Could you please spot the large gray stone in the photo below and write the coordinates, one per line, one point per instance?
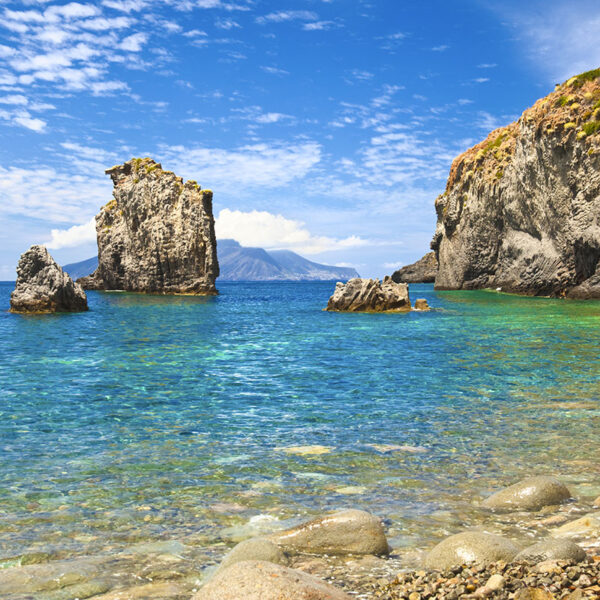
(369, 295)
(345, 532)
(43, 287)
(261, 580)
(551, 550)
(254, 549)
(532, 493)
(470, 546)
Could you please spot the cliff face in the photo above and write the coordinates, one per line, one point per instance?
(43, 287)
(422, 271)
(521, 210)
(157, 234)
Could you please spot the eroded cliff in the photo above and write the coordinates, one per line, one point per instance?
(521, 210)
(156, 235)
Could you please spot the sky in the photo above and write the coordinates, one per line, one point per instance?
(324, 126)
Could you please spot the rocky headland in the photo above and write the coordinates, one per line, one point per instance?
(422, 271)
(43, 287)
(156, 235)
(520, 209)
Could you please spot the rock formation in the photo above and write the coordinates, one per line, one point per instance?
(470, 546)
(369, 295)
(532, 493)
(43, 287)
(157, 234)
(345, 532)
(422, 271)
(261, 580)
(521, 209)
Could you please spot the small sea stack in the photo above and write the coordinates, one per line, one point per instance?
(156, 235)
(43, 287)
(370, 295)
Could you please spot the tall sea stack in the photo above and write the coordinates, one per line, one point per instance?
(521, 210)
(157, 235)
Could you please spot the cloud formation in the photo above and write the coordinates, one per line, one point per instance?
(272, 231)
(73, 236)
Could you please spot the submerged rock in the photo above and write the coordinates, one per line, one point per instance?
(520, 209)
(470, 546)
(260, 580)
(583, 527)
(422, 271)
(254, 549)
(345, 532)
(369, 295)
(551, 550)
(532, 493)
(43, 287)
(157, 235)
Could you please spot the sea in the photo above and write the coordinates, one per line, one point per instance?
(196, 422)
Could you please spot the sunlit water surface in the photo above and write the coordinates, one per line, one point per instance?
(178, 418)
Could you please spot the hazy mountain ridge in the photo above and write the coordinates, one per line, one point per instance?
(240, 263)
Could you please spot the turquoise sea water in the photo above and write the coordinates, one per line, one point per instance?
(152, 418)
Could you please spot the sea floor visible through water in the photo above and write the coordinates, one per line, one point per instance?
(175, 426)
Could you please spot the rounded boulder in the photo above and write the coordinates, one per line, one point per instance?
(345, 532)
(532, 493)
(551, 550)
(254, 549)
(261, 580)
(470, 546)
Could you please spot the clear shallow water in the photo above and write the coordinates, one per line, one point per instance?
(153, 418)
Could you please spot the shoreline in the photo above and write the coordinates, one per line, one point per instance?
(165, 567)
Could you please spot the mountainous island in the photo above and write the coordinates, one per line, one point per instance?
(239, 263)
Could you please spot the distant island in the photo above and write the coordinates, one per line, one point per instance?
(240, 263)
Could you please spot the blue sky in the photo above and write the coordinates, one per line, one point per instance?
(323, 126)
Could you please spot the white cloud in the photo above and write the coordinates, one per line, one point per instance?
(489, 122)
(134, 42)
(271, 117)
(257, 165)
(275, 71)
(560, 38)
(14, 99)
(42, 192)
(29, 122)
(319, 25)
(268, 230)
(287, 15)
(227, 24)
(73, 236)
(393, 265)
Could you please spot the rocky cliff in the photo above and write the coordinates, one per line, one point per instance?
(521, 210)
(422, 271)
(43, 287)
(156, 235)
